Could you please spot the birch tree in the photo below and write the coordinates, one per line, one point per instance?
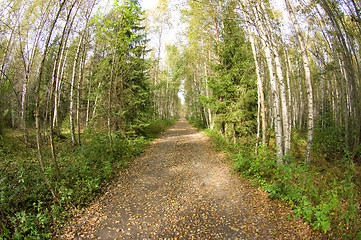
(308, 80)
(37, 103)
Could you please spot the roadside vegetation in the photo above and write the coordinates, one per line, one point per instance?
(77, 103)
(82, 89)
(278, 88)
(325, 193)
(28, 209)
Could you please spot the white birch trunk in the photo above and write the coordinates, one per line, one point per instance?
(72, 83)
(276, 105)
(308, 80)
(80, 78)
(37, 102)
(261, 105)
(274, 91)
(285, 108)
(281, 83)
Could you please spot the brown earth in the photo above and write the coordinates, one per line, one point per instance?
(181, 188)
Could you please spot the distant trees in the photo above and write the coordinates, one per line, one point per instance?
(165, 63)
(201, 51)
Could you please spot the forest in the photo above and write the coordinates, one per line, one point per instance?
(85, 87)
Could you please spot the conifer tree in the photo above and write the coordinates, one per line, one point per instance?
(234, 86)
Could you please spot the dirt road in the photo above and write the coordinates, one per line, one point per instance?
(180, 188)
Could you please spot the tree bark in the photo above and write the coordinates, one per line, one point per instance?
(274, 89)
(110, 99)
(56, 69)
(261, 100)
(308, 80)
(72, 84)
(37, 103)
(80, 80)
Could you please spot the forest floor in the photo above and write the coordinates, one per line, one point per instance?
(181, 188)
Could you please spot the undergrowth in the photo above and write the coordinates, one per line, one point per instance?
(28, 210)
(326, 195)
(158, 126)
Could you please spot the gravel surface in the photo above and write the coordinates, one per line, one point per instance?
(181, 188)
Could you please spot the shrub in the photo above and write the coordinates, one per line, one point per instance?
(157, 126)
(27, 209)
(328, 202)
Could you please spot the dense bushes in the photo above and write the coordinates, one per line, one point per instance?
(325, 195)
(158, 126)
(27, 209)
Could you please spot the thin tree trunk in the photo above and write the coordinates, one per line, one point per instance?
(59, 75)
(51, 134)
(88, 103)
(274, 91)
(80, 73)
(37, 102)
(308, 80)
(72, 84)
(23, 105)
(55, 75)
(95, 102)
(261, 101)
(288, 73)
(58, 92)
(110, 103)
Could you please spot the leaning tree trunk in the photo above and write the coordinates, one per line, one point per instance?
(274, 90)
(80, 79)
(72, 83)
(110, 99)
(58, 92)
(37, 102)
(308, 80)
(261, 101)
(27, 70)
(57, 66)
(274, 45)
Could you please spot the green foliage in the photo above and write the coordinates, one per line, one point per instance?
(5, 105)
(27, 210)
(234, 91)
(157, 126)
(326, 201)
(121, 68)
(32, 224)
(197, 123)
(319, 216)
(329, 138)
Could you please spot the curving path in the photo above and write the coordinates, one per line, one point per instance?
(180, 188)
